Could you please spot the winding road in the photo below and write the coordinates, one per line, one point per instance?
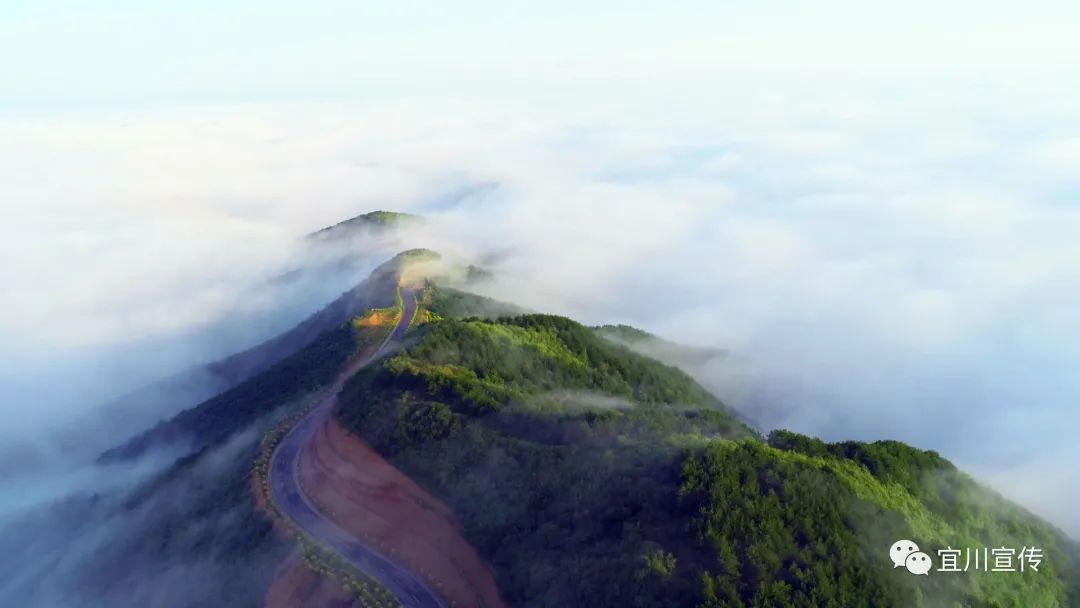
(291, 500)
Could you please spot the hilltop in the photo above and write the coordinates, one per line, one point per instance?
(372, 221)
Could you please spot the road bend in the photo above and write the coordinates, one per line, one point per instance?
(291, 500)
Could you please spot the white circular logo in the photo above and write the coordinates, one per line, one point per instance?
(919, 563)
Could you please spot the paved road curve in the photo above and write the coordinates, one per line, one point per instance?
(286, 493)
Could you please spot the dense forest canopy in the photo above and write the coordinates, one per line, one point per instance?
(586, 474)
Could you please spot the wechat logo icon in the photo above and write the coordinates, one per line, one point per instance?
(906, 554)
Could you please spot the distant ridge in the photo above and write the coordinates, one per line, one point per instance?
(654, 346)
(373, 220)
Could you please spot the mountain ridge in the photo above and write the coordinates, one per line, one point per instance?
(587, 473)
(377, 291)
(469, 390)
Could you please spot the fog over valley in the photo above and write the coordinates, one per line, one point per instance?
(876, 271)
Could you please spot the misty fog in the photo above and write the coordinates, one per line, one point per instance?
(101, 545)
(880, 265)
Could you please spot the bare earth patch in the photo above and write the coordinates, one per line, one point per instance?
(374, 501)
(296, 586)
(376, 318)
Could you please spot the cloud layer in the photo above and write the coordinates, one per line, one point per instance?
(885, 265)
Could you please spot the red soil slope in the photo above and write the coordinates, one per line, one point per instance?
(296, 586)
(367, 496)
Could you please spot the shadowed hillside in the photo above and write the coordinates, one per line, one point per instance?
(274, 373)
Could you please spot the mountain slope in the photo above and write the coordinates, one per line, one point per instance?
(194, 534)
(649, 345)
(582, 472)
(277, 370)
(799, 522)
(588, 475)
(332, 255)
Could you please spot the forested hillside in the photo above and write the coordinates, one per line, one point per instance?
(589, 475)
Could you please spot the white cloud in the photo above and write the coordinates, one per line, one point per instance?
(884, 267)
(1059, 157)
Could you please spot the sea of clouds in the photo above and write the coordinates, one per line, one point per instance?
(884, 264)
